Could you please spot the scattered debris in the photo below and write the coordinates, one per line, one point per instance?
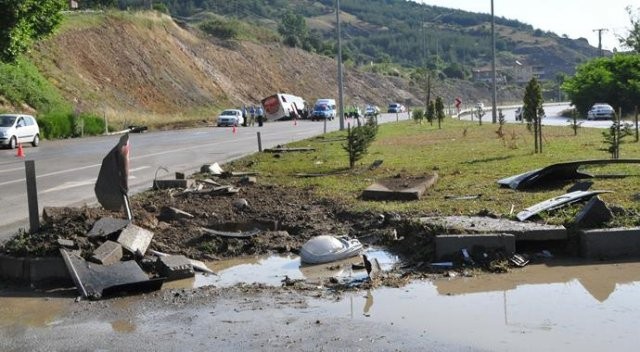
(557, 173)
(556, 202)
(196, 264)
(376, 164)
(107, 226)
(175, 267)
(519, 260)
(137, 129)
(594, 214)
(108, 253)
(96, 281)
(171, 213)
(213, 169)
(471, 197)
(396, 188)
(177, 183)
(281, 149)
(326, 248)
(241, 234)
(580, 186)
(240, 203)
(135, 239)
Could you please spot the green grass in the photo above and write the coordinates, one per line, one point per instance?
(468, 159)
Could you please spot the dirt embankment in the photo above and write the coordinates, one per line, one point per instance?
(146, 68)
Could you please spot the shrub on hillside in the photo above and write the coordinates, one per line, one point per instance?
(66, 124)
(220, 29)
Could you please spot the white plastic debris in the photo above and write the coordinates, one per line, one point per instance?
(326, 248)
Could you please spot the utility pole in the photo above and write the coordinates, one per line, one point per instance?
(600, 30)
(494, 95)
(340, 81)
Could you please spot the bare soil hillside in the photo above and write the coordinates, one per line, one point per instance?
(146, 68)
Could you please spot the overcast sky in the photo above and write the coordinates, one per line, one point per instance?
(575, 18)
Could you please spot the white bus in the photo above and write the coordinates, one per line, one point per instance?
(283, 106)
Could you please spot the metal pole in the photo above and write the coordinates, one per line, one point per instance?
(32, 196)
(493, 66)
(340, 88)
(259, 142)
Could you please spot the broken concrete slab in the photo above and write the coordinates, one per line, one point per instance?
(175, 267)
(64, 243)
(171, 213)
(399, 188)
(448, 245)
(197, 265)
(213, 169)
(613, 243)
(166, 184)
(108, 253)
(595, 213)
(523, 231)
(135, 239)
(95, 281)
(107, 226)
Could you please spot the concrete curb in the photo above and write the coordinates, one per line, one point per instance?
(33, 270)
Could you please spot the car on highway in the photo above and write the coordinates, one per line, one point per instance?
(396, 107)
(230, 117)
(18, 128)
(371, 110)
(600, 111)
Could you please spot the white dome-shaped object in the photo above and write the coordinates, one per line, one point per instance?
(326, 248)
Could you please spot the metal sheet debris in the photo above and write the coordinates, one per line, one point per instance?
(240, 234)
(557, 173)
(556, 202)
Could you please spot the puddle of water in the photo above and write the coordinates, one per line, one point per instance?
(271, 270)
(30, 311)
(586, 308)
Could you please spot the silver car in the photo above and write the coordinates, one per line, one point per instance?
(230, 117)
(600, 111)
(18, 128)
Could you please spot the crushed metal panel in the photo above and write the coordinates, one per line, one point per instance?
(557, 173)
(556, 202)
(95, 281)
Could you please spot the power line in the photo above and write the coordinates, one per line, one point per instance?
(600, 30)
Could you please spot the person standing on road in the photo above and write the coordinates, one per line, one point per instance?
(252, 115)
(244, 115)
(260, 115)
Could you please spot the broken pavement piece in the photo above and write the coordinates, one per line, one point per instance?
(108, 253)
(594, 214)
(63, 243)
(399, 188)
(107, 226)
(175, 267)
(165, 184)
(135, 239)
(197, 265)
(556, 202)
(95, 281)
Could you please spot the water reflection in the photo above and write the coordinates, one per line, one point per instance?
(541, 307)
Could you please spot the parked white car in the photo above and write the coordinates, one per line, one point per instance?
(600, 111)
(18, 128)
(230, 117)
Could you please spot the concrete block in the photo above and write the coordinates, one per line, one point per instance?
(387, 190)
(593, 214)
(610, 243)
(448, 245)
(165, 184)
(135, 239)
(108, 253)
(175, 267)
(524, 231)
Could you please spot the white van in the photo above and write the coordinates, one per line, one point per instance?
(324, 109)
(283, 107)
(18, 128)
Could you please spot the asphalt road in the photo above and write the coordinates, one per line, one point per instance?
(66, 170)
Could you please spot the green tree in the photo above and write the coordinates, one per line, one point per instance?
(430, 114)
(358, 140)
(533, 111)
(293, 29)
(615, 80)
(24, 21)
(439, 106)
(418, 115)
(632, 40)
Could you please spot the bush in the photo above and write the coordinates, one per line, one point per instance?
(220, 29)
(66, 124)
